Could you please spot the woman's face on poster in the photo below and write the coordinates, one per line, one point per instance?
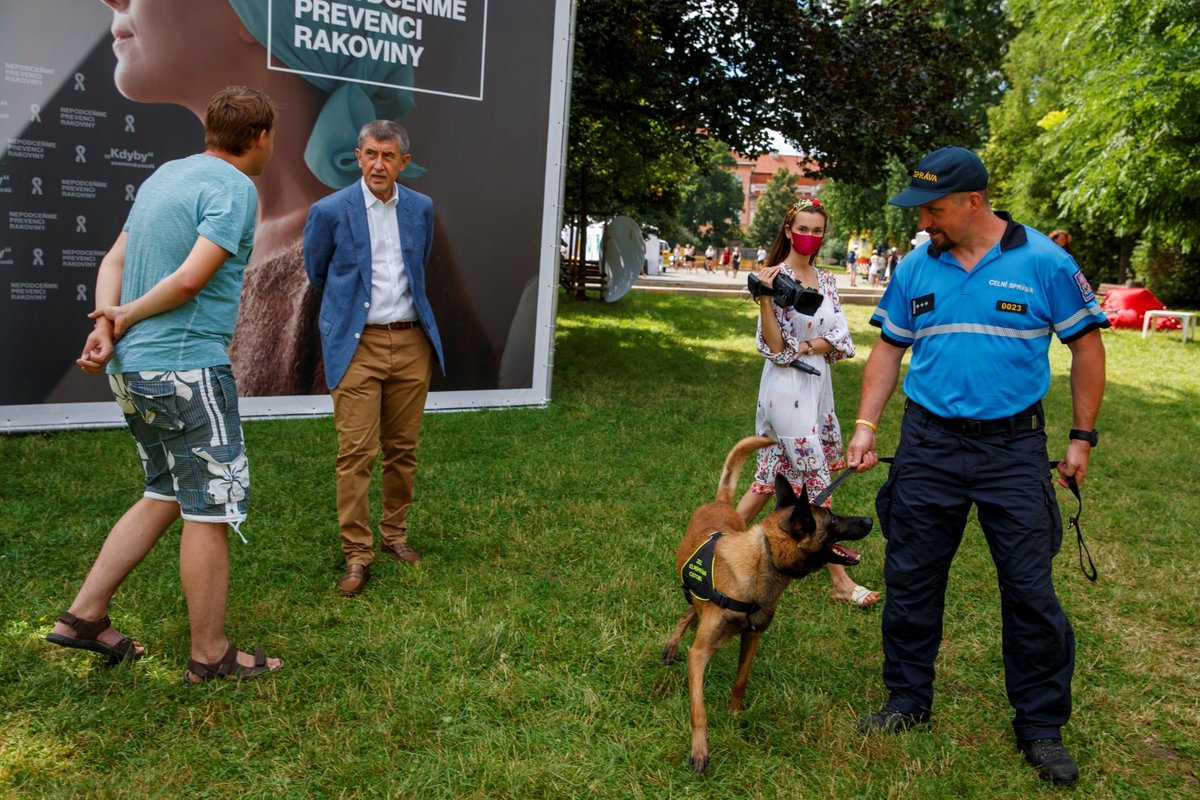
(165, 48)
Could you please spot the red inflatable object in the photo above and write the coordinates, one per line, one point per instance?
(1128, 305)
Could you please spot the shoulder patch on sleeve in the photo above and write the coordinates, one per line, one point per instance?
(1085, 288)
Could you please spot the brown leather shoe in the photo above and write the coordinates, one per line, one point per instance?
(403, 552)
(354, 579)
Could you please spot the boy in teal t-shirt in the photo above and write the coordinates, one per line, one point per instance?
(167, 298)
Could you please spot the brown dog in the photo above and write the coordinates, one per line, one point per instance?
(749, 571)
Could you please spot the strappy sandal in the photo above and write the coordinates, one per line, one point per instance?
(861, 597)
(85, 638)
(228, 667)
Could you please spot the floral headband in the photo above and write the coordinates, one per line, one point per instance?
(801, 205)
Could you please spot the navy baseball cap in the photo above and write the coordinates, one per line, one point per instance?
(945, 170)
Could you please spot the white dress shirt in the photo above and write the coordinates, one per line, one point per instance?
(391, 298)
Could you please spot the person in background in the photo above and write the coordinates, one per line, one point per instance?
(893, 258)
(796, 408)
(852, 267)
(978, 304)
(365, 251)
(725, 258)
(166, 303)
(1062, 239)
(181, 53)
(735, 261)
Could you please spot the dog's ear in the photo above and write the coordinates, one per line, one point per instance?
(801, 520)
(784, 496)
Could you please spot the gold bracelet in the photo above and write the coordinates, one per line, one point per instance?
(868, 423)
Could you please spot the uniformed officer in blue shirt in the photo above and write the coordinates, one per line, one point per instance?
(978, 304)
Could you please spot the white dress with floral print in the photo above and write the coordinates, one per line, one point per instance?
(796, 408)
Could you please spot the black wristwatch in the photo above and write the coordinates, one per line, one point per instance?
(1092, 437)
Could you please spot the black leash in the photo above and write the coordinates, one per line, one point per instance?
(820, 499)
(836, 482)
(1073, 485)
(1088, 571)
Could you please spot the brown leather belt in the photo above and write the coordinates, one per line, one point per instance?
(396, 326)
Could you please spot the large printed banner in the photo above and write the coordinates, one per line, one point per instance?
(93, 99)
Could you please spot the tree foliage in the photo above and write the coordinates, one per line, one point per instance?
(849, 82)
(1128, 133)
(771, 207)
(853, 210)
(903, 87)
(1099, 132)
(871, 80)
(711, 198)
(865, 210)
(983, 28)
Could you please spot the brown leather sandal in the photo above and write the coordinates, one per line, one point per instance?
(228, 667)
(86, 632)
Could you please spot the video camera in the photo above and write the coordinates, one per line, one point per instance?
(786, 292)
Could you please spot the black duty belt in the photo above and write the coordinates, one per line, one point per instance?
(1089, 571)
(1030, 419)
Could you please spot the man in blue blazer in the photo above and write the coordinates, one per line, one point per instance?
(365, 250)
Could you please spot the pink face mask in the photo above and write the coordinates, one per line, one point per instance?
(806, 244)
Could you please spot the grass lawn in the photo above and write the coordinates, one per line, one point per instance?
(521, 658)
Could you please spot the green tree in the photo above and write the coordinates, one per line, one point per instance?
(853, 209)
(983, 28)
(771, 207)
(1128, 132)
(849, 82)
(646, 92)
(1099, 132)
(876, 79)
(1173, 275)
(865, 209)
(711, 198)
(886, 113)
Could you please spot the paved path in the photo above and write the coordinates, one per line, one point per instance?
(716, 284)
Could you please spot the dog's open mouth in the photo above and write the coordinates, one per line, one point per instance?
(845, 556)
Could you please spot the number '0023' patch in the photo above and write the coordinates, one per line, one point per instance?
(1008, 305)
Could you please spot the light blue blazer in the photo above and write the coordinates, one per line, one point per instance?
(337, 258)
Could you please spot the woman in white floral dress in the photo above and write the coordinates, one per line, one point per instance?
(795, 407)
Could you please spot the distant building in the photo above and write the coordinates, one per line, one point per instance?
(753, 173)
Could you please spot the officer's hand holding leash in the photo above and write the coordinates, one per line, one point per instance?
(861, 454)
(1075, 462)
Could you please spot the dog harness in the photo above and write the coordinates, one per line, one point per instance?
(697, 575)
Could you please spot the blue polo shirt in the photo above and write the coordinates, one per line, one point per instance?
(980, 338)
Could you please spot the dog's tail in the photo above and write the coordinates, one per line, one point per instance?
(733, 465)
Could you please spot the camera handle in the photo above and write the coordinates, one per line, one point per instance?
(756, 286)
(804, 367)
